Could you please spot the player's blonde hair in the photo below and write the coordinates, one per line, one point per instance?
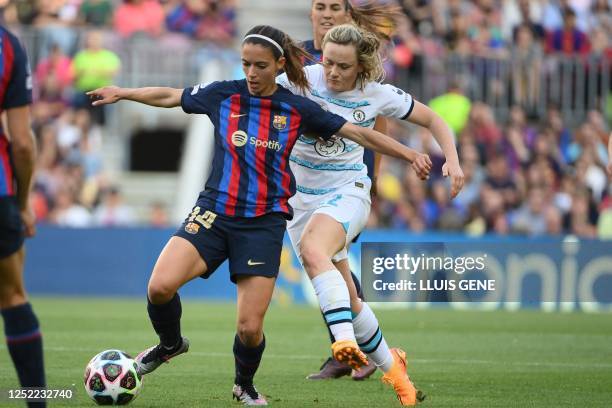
(367, 46)
(374, 17)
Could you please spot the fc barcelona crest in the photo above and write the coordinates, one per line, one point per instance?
(280, 122)
(192, 228)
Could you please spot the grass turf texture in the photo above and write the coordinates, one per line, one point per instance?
(459, 359)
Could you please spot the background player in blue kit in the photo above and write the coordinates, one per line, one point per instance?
(17, 151)
(241, 214)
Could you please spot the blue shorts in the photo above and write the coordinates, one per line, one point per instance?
(11, 227)
(252, 245)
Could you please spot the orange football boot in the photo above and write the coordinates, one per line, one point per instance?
(406, 393)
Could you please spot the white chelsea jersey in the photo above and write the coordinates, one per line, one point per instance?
(320, 167)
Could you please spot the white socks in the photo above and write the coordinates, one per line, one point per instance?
(370, 338)
(335, 303)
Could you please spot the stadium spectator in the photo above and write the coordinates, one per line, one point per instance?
(483, 127)
(453, 106)
(601, 16)
(158, 215)
(530, 218)
(206, 20)
(526, 56)
(528, 11)
(474, 176)
(96, 13)
(55, 21)
(113, 212)
(56, 68)
(457, 31)
(186, 17)
(21, 12)
(93, 67)
(501, 179)
(568, 40)
(582, 217)
(68, 212)
(135, 17)
(52, 100)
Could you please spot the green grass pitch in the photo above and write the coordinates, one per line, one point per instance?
(459, 359)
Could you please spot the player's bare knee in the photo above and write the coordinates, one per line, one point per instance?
(312, 255)
(250, 332)
(160, 292)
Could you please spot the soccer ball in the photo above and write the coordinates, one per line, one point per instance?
(111, 378)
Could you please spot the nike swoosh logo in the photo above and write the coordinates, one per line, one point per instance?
(252, 263)
(234, 116)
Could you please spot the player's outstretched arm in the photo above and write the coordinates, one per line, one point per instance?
(381, 143)
(161, 97)
(422, 115)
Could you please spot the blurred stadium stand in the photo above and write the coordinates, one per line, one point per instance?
(531, 113)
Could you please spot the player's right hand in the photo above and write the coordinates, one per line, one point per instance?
(454, 171)
(105, 95)
(29, 221)
(422, 166)
(609, 168)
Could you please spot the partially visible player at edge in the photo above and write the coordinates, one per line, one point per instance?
(241, 214)
(324, 15)
(609, 166)
(17, 154)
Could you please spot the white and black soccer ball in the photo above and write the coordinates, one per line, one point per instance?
(111, 378)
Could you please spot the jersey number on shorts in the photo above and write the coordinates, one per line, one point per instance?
(205, 219)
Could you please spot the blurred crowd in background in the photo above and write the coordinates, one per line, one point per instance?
(531, 172)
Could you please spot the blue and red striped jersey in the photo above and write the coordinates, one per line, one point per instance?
(15, 91)
(254, 136)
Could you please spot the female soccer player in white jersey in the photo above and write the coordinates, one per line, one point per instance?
(332, 202)
(325, 15)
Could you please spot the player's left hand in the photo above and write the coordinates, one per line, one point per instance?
(609, 168)
(453, 170)
(105, 95)
(422, 166)
(29, 221)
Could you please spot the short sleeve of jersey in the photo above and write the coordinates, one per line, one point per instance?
(396, 103)
(19, 88)
(318, 121)
(201, 98)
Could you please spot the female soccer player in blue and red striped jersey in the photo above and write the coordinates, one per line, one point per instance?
(17, 154)
(241, 214)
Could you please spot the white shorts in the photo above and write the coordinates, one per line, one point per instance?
(349, 205)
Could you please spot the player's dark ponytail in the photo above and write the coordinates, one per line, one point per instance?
(293, 53)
